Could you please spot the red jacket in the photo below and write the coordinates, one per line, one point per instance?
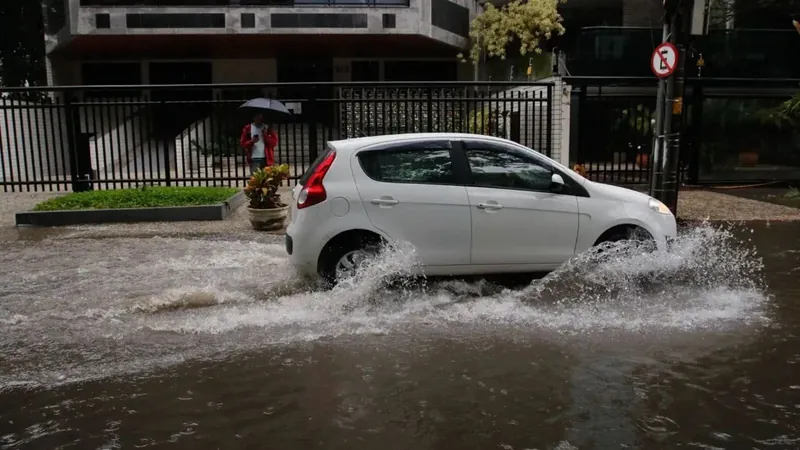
(270, 139)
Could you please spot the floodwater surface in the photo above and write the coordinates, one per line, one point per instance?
(215, 343)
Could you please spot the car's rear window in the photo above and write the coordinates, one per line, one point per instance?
(313, 166)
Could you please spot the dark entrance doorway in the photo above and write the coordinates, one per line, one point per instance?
(172, 118)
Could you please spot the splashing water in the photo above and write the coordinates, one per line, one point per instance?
(705, 279)
(165, 300)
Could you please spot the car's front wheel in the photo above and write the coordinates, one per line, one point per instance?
(635, 235)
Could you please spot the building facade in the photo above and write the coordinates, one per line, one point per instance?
(266, 41)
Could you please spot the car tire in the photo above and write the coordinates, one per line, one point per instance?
(632, 234)
(347, 256)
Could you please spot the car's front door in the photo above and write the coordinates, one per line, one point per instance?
(516, 216)
(411, 192)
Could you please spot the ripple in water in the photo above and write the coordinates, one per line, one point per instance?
(154, 302)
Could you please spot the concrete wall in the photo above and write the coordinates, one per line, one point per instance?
(533, 117)
(119, 134)
(414, 19)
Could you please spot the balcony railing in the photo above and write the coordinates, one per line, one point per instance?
(742, 53)
(235, 3)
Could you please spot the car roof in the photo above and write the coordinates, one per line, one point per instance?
(353, 144)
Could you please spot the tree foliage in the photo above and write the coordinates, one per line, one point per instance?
(527, 22)
(22, 44)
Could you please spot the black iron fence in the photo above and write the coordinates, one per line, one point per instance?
(613, 135)
(729, 135)
(107, 137)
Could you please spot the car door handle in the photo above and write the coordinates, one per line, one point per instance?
(490, 206)
(384, 201)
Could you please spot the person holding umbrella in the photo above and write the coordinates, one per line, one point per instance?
(257, 139)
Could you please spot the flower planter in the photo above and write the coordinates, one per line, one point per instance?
(272, 219)
(748, 159)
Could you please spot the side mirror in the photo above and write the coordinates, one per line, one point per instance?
(556, 182)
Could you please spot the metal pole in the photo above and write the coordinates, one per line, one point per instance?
(668, 138)
(656, 176)
(673, 127)
(669, 110)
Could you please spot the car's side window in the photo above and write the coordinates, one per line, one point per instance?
(498, 168)
(422, 166)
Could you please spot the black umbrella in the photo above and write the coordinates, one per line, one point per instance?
(266, 104)
(272, 110)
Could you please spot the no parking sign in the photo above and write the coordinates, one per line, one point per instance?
(664, 60)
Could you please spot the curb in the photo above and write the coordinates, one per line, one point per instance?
(131, 215)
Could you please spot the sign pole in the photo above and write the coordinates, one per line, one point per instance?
(675, 114)
(656, 174)
(665, 62)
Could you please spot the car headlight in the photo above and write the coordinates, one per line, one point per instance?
(658, 207)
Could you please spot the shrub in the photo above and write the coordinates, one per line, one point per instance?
(262, 188)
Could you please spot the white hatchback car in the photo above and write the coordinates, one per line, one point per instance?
(469, 204)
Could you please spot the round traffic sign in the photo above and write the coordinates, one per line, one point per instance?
(664, 60)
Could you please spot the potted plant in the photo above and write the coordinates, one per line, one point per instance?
(266, 211)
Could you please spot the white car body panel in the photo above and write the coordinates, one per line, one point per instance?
(436, 219)
(534, 231)
(529, 227)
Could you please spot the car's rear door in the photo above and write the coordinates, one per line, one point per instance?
(516, 217)
(411, 192)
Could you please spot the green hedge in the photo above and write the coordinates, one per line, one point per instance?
(149, 197)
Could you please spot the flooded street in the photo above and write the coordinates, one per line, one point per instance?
(206, 343)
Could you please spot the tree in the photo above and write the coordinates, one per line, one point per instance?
(524, 22)
(22, 45)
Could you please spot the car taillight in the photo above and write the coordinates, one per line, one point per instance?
(313, 191)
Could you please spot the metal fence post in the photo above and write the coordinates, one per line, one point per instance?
(430, 109)
(549, 135)
(167, 174)
(74, 146)
(312, 127)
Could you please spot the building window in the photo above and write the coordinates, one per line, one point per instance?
(102, 21)
(188, 20)
(450, 16)
(365, 71)
(389, 21)
(290, 20)
(248, 20)
(111, 74)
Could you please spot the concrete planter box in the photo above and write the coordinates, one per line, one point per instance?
(130, 215)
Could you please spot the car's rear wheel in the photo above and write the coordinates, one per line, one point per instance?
(346, 258)
(349, 263)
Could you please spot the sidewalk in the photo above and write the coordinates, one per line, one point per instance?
(692, 206)
(236, 225)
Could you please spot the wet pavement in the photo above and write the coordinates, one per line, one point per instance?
(212, 342)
